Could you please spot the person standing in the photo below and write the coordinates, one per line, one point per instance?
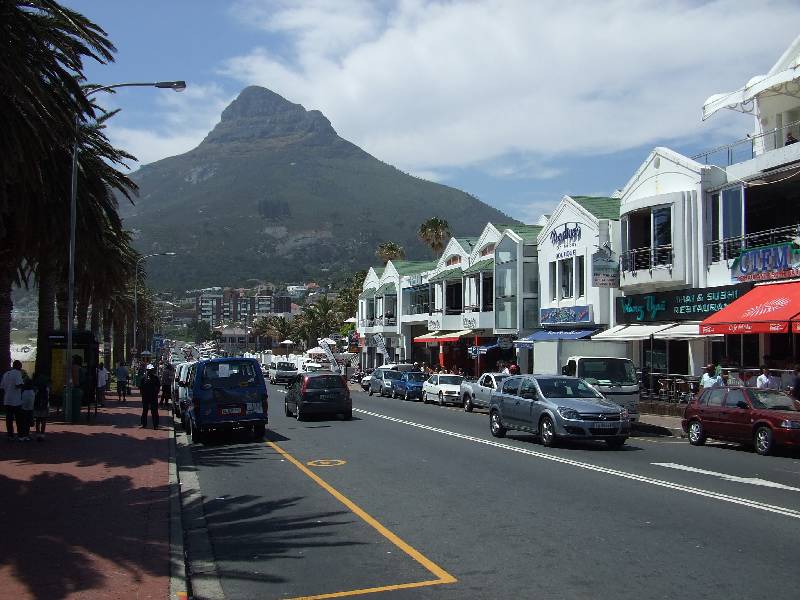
(710, 378)
(765, 381)
(12, 383)
(102, 383)
(167, 379)
(149, 389)
(26, 410)
(41, 406)
(122, 375)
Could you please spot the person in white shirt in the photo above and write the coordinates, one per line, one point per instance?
(102, 382)
(11, 384)
(710, 378)
(766, 382)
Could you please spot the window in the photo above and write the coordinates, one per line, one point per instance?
(322, 382)
(566, 271)
(715, 397)
(662, 235)
(228, 374)
(505, 313)
(453, 260)
(553, 286)
(450, 380)
(732, 221)
(529, 251)
(486, 381)
(487, 250)
(528, 389)
(510, 386)
(734, 397)
(530, 308)
(529, 277)
(581, 268)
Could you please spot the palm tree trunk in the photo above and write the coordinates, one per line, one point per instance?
(94, 319)
(119, 336)
(128, 337)
(107, 320)
(6, 280)
(61, 305)
(46, 318)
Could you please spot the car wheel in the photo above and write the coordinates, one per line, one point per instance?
(297, 414)
(348, 415)
(616, 443)
(424, 397)
(496, 425)
(370, 391)
(259, 430)
(286, 410)
(763, 440)
(697, 436)
(394, 395)
(467, 403)
(547, 432)
(406, 397)
(441, 399)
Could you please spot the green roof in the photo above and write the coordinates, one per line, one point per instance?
(368, 293)
(379, 270)
(487, 264)
(528, 233)
(451, 273)
(386, 288)
(600, 206)
(467, 242)
(413, 267)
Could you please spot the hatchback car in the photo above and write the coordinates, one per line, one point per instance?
(556, 407)
(763, 418)
(445, 389)
(381, 382)
(318, 393)
(409, 385)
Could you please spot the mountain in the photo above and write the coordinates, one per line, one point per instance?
(273, 193)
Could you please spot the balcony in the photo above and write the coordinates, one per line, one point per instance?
(641, 259)
(730, 248)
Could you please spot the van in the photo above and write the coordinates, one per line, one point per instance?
(225, 393)
(612, 376)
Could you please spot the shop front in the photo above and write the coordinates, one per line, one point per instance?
(449, 349)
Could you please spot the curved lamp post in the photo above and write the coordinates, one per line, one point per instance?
(136, 296)
(178, 86)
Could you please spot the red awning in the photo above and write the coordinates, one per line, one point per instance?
(764, 309)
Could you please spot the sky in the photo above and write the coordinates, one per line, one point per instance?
(516, 102)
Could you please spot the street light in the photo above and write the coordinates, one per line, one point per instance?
(178, 86)
(136, 296)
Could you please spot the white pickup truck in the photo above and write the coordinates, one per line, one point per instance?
(478, 393)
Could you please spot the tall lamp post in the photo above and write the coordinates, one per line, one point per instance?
(177, 86)
(136, 296)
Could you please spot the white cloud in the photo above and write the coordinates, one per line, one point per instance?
(429, 86)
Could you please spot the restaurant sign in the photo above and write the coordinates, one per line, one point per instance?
(779, 261)
(567, 314)
(680, 305)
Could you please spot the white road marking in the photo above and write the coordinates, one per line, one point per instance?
(781, 510)
(726, 477)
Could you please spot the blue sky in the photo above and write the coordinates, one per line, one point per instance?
(515, 102)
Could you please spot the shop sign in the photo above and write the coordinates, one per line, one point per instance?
(605, 270)
(469, 322)
(567, 236)
(567, 314)
(380, 344)
(680, 305)
(506, 342)
(434, 325)
(780, 261)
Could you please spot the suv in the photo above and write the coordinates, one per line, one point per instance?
(282, 372)
(381, 382)
(556, 407)
(318, 393)
(763, 418)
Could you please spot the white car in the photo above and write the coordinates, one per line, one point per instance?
(444, 389)
(365, 381)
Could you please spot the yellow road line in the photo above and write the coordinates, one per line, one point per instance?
(441, 575)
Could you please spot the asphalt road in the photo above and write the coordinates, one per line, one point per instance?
(419, 501)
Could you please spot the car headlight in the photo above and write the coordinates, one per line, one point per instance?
(790, 424)
(569, 413)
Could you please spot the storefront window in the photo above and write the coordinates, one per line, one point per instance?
(567, 281)
(581, 275)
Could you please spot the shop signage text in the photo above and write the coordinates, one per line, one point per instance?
(569, 235)
(781, 261)
(434, 325)
(681, 305)
(567, 314)
(605, 270)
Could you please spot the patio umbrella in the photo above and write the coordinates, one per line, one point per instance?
(351, 320)
(287, 343)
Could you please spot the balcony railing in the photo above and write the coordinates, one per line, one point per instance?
(749, 147)
(729, 248)
(420, 308)
(453, 310)
(646, 258)
(386, 321)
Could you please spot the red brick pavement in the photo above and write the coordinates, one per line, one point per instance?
(85, 514)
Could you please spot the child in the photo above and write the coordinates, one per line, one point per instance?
(26, 410)
(41, 406)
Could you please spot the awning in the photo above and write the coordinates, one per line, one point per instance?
(764, 309)
(631, 333)
(453, 336)
(487, 264)
(684, 331)
(761, 85)
(368, 293)
(545, 335)
(387, 289)
(428, 337)
(451, 273)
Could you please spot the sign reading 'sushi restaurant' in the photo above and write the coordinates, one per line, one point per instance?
(680, 305)
(780, 261)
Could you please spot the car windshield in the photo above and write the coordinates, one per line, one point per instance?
(285, 366)
(566, 388)
(229, 373)
(392, 375)
(322, 382)
(416, 377)
(619, 371)
(499, 378)
(450, 379)
(772, 400)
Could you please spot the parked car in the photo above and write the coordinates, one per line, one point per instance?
(179, 391)
(409, 385)
(444, 389)
(557, 407)
(318, 393)
(614, 377)
(226, 393)
(282, 372)
(763, 418)
(479, 393)
(365, 381)
(381, 382)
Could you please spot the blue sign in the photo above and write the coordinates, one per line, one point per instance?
(780, 261)
(567, 314)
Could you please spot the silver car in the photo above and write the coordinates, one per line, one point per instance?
(553, 407)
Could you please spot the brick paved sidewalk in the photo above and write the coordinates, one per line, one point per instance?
(85, 513)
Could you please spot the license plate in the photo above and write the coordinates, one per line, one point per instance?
(230, 410)
(254, 407)
(605, 425)
(328, 397)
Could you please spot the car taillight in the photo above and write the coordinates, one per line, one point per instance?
(304, 387)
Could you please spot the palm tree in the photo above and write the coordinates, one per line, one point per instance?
(390, 251)
(277, 328)
(320, 319)
(435, 232)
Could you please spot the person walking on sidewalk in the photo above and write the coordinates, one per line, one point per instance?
(12, 383)
(121, 373)
(149, 389)
(41, 405)
(102, 383)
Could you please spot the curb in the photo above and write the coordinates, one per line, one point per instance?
(201, 567)
(178, 584)
(658, 429)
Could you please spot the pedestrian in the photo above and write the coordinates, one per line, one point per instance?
(41, 405)
(122, 375)
(710, 378)
(514, 369)
(765, 381)
(26, 410)
(506, 370)
(12, 383)
(149, 389)
(102, 383)
(167, 379)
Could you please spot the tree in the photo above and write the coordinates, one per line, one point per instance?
(390, 251)
(347, 300)
(278, 328)
(435, 232)
(320, 319)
